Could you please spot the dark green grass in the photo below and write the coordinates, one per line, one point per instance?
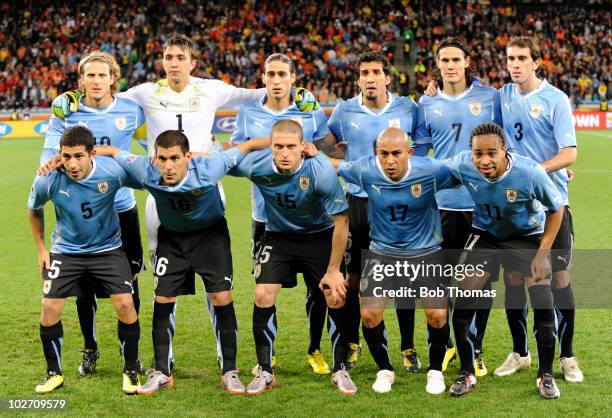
(299, 392)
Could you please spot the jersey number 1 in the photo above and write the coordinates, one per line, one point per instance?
(180, 122)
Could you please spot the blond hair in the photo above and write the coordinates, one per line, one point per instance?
(103, 57)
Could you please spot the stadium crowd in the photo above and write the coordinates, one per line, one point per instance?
(42, 43)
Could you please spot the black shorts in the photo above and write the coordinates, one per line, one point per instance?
(489, 252)
(359, 232)
(284, 255)
(257, 231)
(130, 236)
(182, 254)
(561, 254)
(77, 274)
(393, 276)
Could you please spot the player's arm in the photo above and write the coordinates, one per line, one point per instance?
(565, 135)
(107, 150)
(331, 147)
(565, 157)
(422, 136)
(333, 283)
(39, 195)
(254, 144)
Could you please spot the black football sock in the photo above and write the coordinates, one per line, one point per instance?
(354, 315)
(226, 328)
(405, 320)
(51, 338)
(129, 335)
(438, 337)
(87, 307)
(482, 318)
(162, 332)
(264, 332)
(316, 308)
(463, 319)
(449, 314)
(544, 326)
(377, 343)
(337, 325)
(516, 313)
(136, 296)
(566, 307)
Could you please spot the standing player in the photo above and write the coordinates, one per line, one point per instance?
(255, 120)
(538, 124)
(444, 124)
(86, 245)
(193, 239)
(510, 226)
(113, 121)
(357, 123)
(306, 232)
(405, 228)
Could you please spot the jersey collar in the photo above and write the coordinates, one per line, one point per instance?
(500, 178)
(541, 87)
(275, 168)
(457, 97)
(262, 104)
(382, 171)
(104, 110)
(91, 173)
(381, 111)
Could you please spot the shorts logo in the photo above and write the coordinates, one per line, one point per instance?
(416, 190)
(394, 123)
(103, 186)
(536, 110)
(121, 122)
(196, 192)
(299, 120)
(46, 287)
(511, 195)
(475, 108)
(155, 280)
(257, 270)
(194, 102)
(304, 182)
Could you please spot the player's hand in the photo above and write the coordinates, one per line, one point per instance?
(66, 104)
(309, 150)
(570, 174)
(333, 287)
(432, 89)
(50, 166)
(44, 261)
(304, 100)
(540, 266)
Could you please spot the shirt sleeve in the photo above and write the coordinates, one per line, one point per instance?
(135, 166)
(218, 165)
(240, 133)
(497, 112)
(544, 189)
(321, 130)
(55, 129)
(136, 94)
(422, 135)
(40, 192)
(328, 187)
(444, 176)
(335, 125)
(227, 95)
(454, 166)
(563, 126)
(351, 171)
(245, 167)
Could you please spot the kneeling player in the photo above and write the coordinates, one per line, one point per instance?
(306, 232)
(405, 228)
(86, 245)
(510, 226)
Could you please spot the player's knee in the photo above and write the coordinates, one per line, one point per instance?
(263, 297)
(124, 305)
(221, 298)
(436, 318)
(371, 318)
(560, 279)
(50, 313)
(513, 278)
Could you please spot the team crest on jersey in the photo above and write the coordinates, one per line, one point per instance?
(416, 190)
(194, 102)
(196, 192)
(298, 119)
(304, 182)
(394, 123)
(536, 110)
(130, 159)
(121, 122)
(103, 186)
(475, 108)
(511, 195)
(46, 287)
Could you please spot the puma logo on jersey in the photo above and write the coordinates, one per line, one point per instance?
(507, 107)
(473, 186)
(438, 111)
(258, 123)
(164, 104)
(64, 192)
(266, 178)
(377, 188)
(353, 124)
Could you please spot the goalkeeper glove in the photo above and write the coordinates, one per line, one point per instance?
(66, 104)
(305, 100)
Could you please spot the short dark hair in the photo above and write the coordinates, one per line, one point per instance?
(454, 42)
(488, 128)
(168, 139)
(526, 42)
(282, 58)
(182, 41)
(287, 126)
(76, 136)
(373, 57)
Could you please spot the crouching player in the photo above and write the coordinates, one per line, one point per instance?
(405, 228)
(517, 214)
(86, 245)
(306, 232)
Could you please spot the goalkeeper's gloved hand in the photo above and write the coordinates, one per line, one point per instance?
(304, 100)
(66, 104)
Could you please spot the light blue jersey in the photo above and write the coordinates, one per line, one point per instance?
(354, 123)
(403, 215)
(114, 125)
(446, 122)
(301, 202)
(254, 120)
(85, 219)
(512, 205)
(538, 125)
(192, 204)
